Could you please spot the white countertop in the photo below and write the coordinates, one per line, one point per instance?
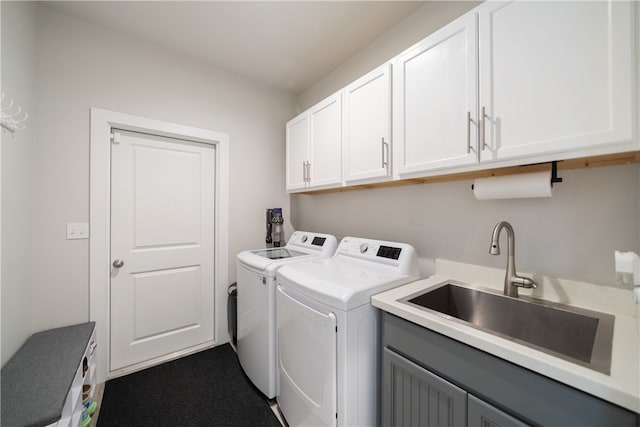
(621, 387)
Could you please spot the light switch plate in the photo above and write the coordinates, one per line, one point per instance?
(77, 230)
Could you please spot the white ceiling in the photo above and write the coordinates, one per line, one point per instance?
(287, 44)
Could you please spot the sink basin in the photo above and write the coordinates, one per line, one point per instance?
(577, 335)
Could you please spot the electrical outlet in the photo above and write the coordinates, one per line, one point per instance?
(77, 230)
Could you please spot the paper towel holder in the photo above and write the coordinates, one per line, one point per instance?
(554, 173)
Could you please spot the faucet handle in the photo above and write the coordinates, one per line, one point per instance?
(524, 282)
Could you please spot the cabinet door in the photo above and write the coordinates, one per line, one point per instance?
(413, 396)
(325, 121)
(481, 414)
(555, 76)
(297, 151)
(435, 97)
(367, 126)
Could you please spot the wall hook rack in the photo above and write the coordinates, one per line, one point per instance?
(11, 120)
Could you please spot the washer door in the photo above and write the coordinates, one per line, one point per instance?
(307, 361)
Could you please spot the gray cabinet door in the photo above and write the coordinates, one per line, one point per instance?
(481, 414)
(413, 396)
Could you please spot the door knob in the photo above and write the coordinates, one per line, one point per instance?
(118, 263)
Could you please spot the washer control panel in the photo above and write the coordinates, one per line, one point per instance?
(399, 255)
(389, 252)
(324, 243)
(384, 251)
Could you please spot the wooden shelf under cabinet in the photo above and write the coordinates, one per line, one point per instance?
(579, 163)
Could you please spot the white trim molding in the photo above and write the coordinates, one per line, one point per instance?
(102, 121)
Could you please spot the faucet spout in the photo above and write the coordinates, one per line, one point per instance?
(495, 238)
(511, 279)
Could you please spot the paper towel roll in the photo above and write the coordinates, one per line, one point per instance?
(536, 184)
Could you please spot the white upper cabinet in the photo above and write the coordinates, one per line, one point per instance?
(314, 146)
(435, 100)
(297, 151)
(367, 127)
(325, 162)
(508, 83)
(556, 78)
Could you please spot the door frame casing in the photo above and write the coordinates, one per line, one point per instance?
(102, 121)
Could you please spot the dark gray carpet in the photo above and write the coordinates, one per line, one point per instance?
(204, 389)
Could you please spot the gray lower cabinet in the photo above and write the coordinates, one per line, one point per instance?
(429, 379)
(416, 397)
(481, 414)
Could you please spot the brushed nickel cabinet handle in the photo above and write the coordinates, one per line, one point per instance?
(385, 154)
(482, 134)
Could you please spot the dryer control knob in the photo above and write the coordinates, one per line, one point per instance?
(305, 238)
(364, 247)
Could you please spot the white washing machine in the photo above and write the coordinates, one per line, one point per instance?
(256, 311)
(328, 331)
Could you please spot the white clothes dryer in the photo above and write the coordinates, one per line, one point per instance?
(256, 310)
(328, 331)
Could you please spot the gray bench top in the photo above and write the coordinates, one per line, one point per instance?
(35, 382)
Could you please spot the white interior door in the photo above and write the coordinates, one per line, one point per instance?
(162, 231)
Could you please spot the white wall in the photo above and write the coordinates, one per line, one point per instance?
(572, 235)
(82, 65)
(18, 78)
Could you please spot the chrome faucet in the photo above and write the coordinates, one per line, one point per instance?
(511, 279)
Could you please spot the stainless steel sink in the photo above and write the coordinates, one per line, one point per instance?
(577, 335)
